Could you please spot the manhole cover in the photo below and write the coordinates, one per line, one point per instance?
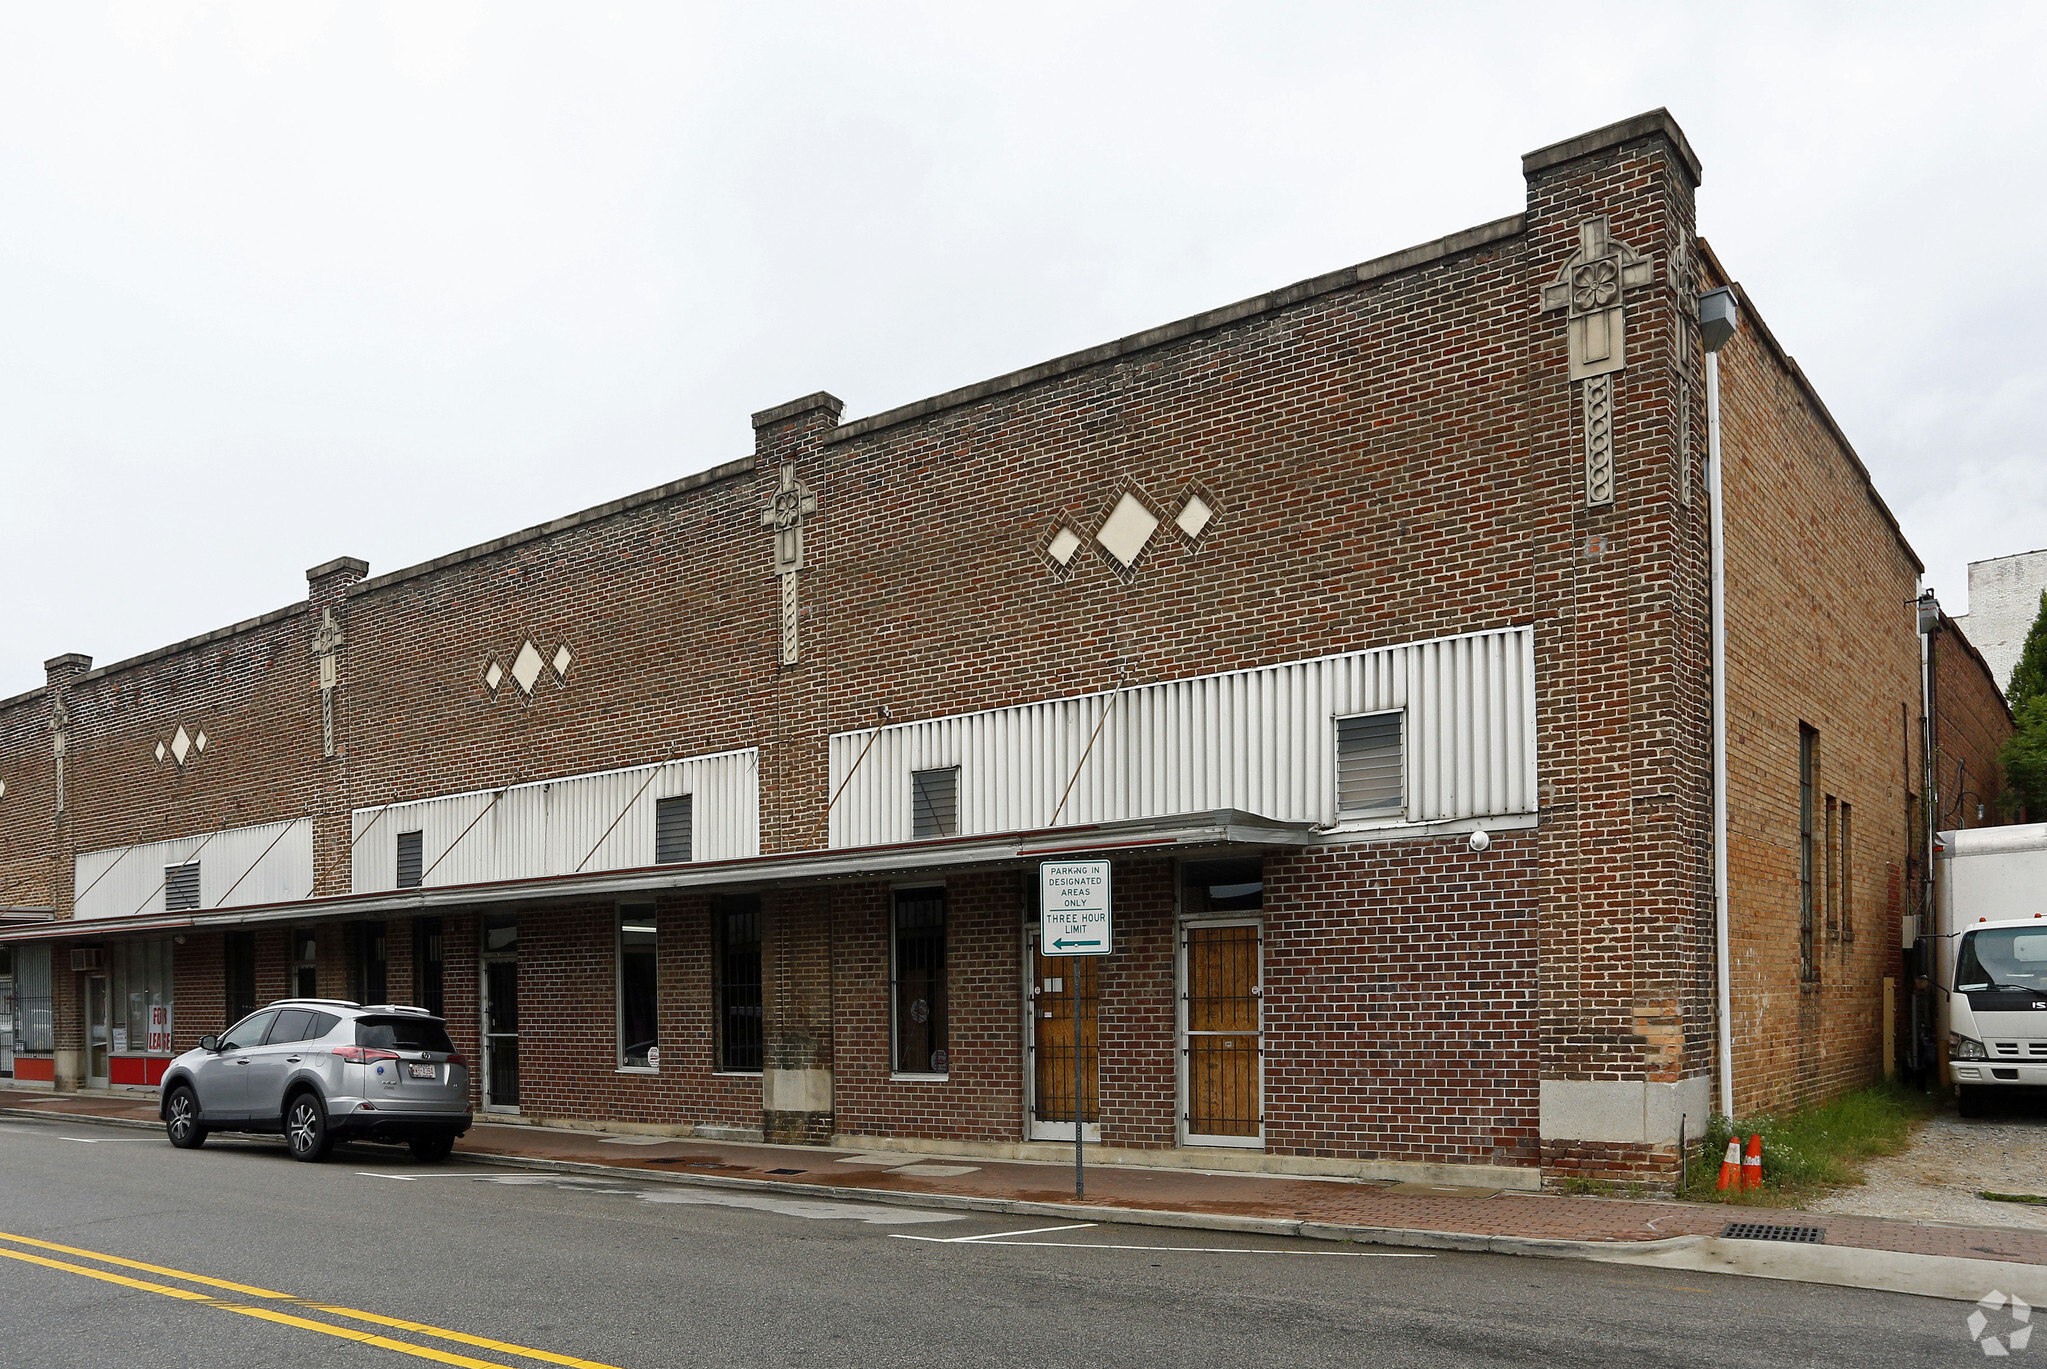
(1759, 1231)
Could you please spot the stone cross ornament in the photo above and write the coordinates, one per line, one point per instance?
(787, 509)
(326, 641)
(1591, 290)
(60, 739)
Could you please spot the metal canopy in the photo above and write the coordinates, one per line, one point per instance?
(1222, 829)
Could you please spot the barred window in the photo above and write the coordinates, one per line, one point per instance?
(674, 821)
(1371, 767)
(935, 802)
(919, 985)
(739, 984)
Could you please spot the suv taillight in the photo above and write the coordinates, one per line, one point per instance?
(457, 1058)
(360, 1055)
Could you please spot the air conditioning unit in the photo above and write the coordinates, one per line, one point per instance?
(88, 958)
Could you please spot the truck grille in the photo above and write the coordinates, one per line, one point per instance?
(2013, 1050)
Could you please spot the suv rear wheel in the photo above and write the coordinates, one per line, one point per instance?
(305, 1127)
(181, 1120)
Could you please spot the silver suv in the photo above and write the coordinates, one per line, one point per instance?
(319, 1070)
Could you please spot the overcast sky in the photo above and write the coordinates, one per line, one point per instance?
(287, 281)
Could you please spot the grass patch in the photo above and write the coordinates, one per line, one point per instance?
(1812, 1148)
(2011, 1197)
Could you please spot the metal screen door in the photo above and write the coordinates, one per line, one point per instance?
(1052, 1045)
(1224, 1046)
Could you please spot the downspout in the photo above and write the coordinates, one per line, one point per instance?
(1718, 319)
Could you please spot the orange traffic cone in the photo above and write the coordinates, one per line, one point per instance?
(1730, 1168)
(1752, 1164)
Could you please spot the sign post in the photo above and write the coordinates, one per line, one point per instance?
(1074, 920)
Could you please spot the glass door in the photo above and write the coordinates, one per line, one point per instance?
(99, 1033)
(501, 1014)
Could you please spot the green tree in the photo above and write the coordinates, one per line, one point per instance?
(2024, 757)
(2029, 677)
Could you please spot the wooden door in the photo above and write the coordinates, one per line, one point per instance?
(1058, 976)
(1223, 1032)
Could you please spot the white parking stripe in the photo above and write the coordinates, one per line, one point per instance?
(1179, 1249)
(999, 1235)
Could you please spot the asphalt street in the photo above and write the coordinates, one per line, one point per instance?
(257, 1260)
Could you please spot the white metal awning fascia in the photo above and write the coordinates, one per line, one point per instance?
(1223, 829)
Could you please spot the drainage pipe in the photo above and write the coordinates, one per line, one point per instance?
(1717, 322)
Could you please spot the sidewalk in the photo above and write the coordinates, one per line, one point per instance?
(1376, 1212)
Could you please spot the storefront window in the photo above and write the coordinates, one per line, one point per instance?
(638, 995)
(32, 1000)
(141, 997)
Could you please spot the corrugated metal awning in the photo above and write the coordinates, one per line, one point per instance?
(1224, 829)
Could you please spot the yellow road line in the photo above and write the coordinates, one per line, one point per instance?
(353, 1314)
(342, 1332)
(145, 1268)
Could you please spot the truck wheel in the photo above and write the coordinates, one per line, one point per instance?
(1969, 1100)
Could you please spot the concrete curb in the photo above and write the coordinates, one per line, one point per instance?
(1403, 1237)
(85, 1118)
(1949, 1277)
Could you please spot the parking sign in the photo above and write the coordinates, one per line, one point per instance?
(1073, 908)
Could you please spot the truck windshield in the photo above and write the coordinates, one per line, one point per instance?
(2002, 958)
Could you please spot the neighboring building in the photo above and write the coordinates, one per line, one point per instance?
(1972, 724)
(2004, 601)
(717, 807)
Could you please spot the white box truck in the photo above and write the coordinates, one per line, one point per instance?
(1990, 958)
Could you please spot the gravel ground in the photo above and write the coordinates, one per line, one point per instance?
(1937, 1177)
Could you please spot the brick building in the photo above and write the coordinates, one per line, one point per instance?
(1365, 626)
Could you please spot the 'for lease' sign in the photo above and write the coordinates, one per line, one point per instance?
(1073, 907)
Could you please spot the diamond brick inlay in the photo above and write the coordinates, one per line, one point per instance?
(562, 657)
(181, 745)
(526, 667)
(1194, 516)
(1064, 543)
(494, 677)
(1128, 528)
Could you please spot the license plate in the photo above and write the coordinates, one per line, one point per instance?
(413, 1071)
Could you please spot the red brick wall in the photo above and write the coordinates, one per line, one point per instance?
(1402, 1002)
(1394, 453)
(1820, 631)
(1974, 724)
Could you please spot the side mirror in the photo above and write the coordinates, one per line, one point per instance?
(209, 1043)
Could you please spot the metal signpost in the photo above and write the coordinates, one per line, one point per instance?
(1073, 920)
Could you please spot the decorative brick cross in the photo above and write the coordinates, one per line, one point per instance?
(325, 642)
(1591, 291)
(787, 508)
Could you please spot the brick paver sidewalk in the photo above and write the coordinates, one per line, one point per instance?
(1341, 1203)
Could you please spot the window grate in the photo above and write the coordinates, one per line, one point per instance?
(739, 985)
(1371, 771)
(674, 826)
(1763, 1231)
(411, 859)
(181, 888)
(935, 802)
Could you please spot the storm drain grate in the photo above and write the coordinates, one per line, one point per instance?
(1759, 1231)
